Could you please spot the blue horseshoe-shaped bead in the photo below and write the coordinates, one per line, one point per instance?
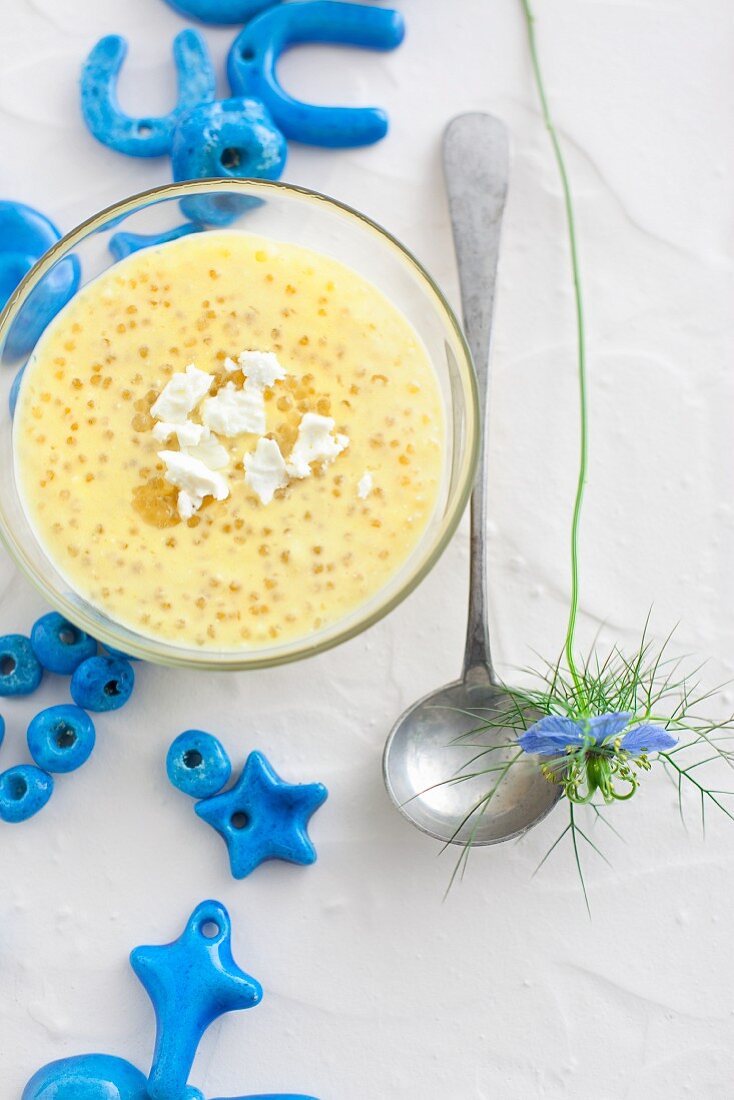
(255, 52)
(142, 137)
(221, 11)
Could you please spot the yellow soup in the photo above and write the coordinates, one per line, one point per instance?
(239, 573)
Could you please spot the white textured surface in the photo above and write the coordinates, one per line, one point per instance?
(374, 986)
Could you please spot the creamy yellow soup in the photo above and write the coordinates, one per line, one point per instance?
(238, 574)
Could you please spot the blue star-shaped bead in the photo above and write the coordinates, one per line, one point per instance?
(262, 817)
(191, 982)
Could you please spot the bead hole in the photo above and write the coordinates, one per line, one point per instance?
(17, 788)
(230, 159)
(68, 635)
(240, 820)
(144, 129)
(193, 758)
(7, 664)
(65, 736)
(248, 54)
(112, 687)
(210, 929)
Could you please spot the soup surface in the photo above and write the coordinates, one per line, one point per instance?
(319, 512)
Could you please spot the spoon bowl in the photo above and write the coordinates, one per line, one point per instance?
(429, 777)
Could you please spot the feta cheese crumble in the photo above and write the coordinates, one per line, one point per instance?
(261, 369)
(181, 394)
(194, 480)
(209, 451)
(235, 412)
(265, 470)
(365, 485)
(315, 443)
(188, 434)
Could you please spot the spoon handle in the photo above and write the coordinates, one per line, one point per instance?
(476, 167)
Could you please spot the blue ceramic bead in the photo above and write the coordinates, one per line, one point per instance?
(24, 790)
(59, 645)
(15, 389)
(2, 729)
(61, 738)
(231, 139)
(221, 11)
(102, 683)
(124, 244)
(25, 234)
(191, 982)
(142, 137)
(262, 817)
(20, 669)
(88, 1077)
(198, 764)
(253, 58)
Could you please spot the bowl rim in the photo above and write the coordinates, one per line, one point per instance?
(300, 648)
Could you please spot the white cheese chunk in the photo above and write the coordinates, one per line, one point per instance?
(365, 486)
(230, 366)
(188, 434)
(265, 470)
(315, 443)
(181, 394)
(209, 451)
(261, 369)
(234, 412)
(194, 479)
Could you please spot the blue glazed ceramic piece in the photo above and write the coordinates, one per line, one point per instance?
(124, 244)
(20, 669)
(103, 683)
(15, 389)
(24, 790)
(59, 645)
(262, 817)
(253, 58)
(61, 738)
(191, 982)
(230, 139)
(2, 729)
(198, 764)
(142, 137)
(25, 234)
(88, 1077)
(221, 11)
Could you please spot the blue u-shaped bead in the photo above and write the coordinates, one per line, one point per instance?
(221, 11)
(254, 55)
(142, 137)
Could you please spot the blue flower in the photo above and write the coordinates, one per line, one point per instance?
(555, 733)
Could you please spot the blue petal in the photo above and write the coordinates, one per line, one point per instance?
(551, 735)
(602, 726)
(647, 738)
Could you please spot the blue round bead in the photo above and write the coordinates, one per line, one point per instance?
(102, 683)
(24, 790)
(198, 764)
(20, 669)
(61, 738)
(221, 11)
(231, 139)
(59, 645)
(2, 729)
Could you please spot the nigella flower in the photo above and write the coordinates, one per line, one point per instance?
(590, 752)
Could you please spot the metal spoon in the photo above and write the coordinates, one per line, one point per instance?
(422, 753)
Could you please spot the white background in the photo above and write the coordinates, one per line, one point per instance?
(374, 986)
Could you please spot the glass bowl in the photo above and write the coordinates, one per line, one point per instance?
(283, 213)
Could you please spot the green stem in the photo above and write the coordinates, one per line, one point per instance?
(581, 344)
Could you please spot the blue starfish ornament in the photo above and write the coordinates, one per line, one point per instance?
(262, 817)
(191, 982)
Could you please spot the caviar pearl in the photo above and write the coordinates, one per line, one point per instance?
(102, 683)
(61, 738)
(198, 764)
(59, 645)
(24, 790)
(20, 669)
